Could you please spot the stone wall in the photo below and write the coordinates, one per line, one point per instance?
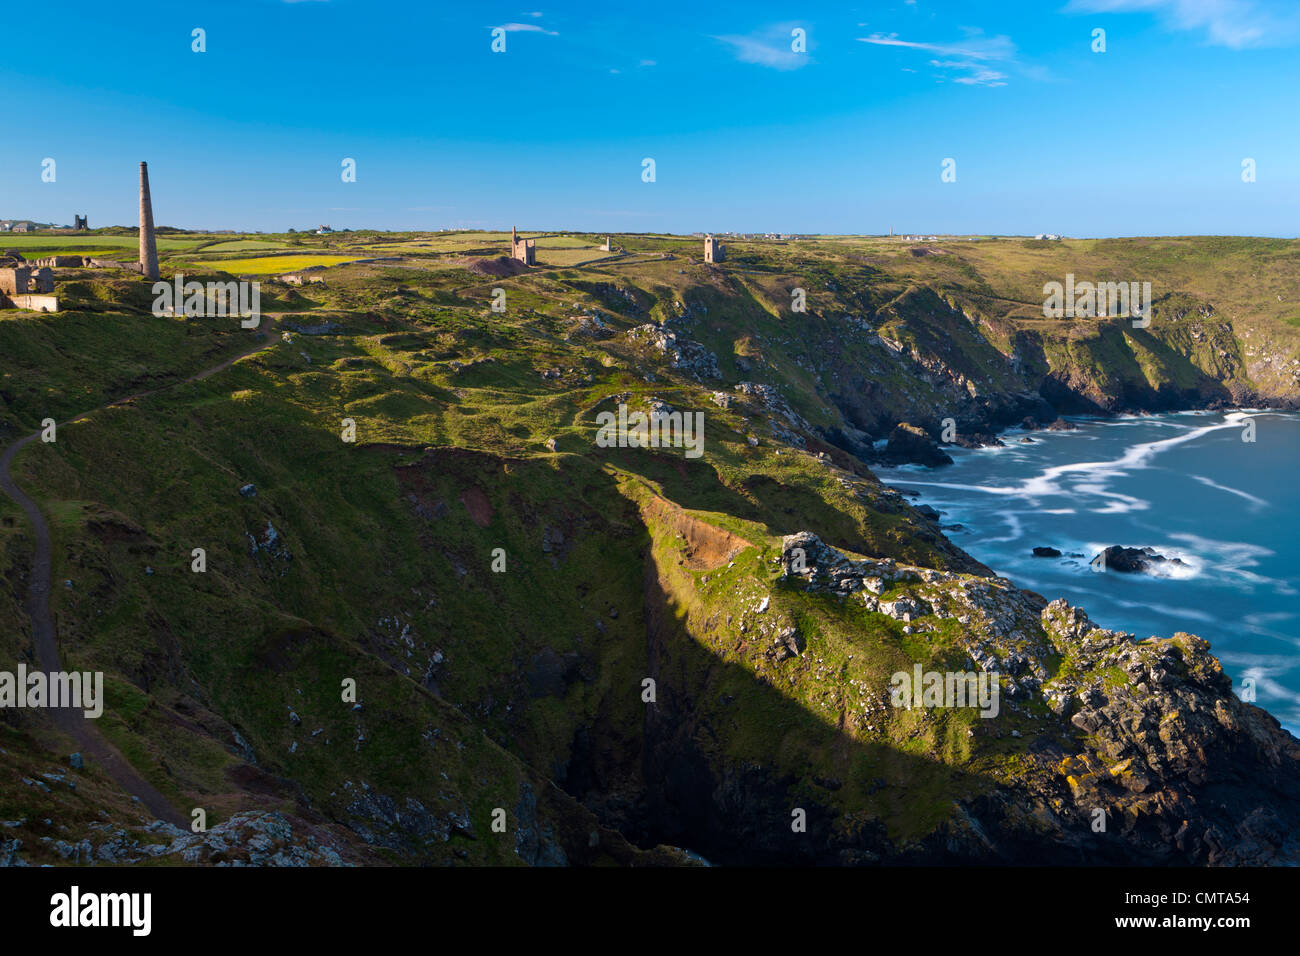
(36, 303)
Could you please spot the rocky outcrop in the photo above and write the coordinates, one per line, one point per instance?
(681, 353)
(249, 838)
(909, 444)
(1183, 770)
(786, 424)
(269, 545)
(1131, 752)
(405, 825)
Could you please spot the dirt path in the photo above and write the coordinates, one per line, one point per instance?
(89, 740)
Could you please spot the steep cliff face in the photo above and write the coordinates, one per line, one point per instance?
(961, 336)
(926, 360)
(618, 650)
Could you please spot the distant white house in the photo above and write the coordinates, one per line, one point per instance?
(323, 230)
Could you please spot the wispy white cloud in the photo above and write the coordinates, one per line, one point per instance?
(968, 61)
(1236, 24)
(975, 74)
(771, 47)
(976, 46)
(526, 28)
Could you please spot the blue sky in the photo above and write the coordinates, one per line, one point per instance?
(1147, 138)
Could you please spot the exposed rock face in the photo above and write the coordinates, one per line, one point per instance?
(788, 643)
(404, 825)
(682, 354)
(1185, 771)
(998, 620)
(270, 544)
(785, 422)
(246, 839)
(1136, 560)
(909, 444)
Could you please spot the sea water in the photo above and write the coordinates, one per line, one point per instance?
(1216, 489)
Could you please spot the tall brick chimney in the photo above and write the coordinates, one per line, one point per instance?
(148, 244)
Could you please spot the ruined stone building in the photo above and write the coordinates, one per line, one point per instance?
(525, 250)
(301, 278)
(714, 251)
(79, 223)
(21, 280)
(22, 287)
(80, 262)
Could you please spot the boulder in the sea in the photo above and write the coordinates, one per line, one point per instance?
(1042, 552)
(1134, 560)
(909, 444)
(978, 439)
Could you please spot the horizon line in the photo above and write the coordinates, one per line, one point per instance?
(919, 236)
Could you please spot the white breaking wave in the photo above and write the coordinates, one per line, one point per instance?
(1096, 475)
(1234, 559)
(1258, 502)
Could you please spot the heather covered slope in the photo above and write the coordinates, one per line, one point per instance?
(500, 587)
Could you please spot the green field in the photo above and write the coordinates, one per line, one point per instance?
(46, 244)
